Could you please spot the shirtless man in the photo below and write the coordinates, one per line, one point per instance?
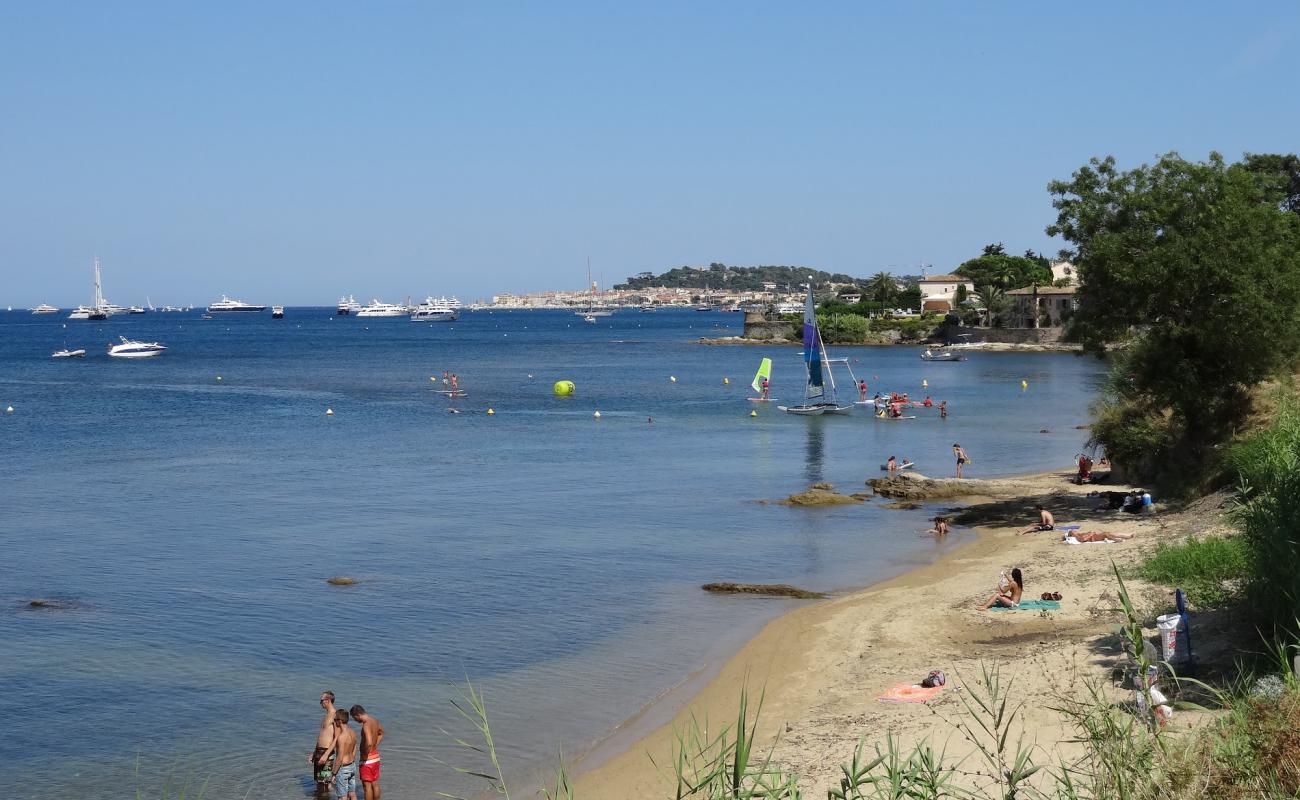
(344, 749)
(322, 770)
(372, 733)
(1046, 522)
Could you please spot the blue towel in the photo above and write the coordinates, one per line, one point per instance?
(1032, 605)
(1068, 527)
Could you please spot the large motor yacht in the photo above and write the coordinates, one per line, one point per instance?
(380, 309)
(226, 304)
(348, 306)
(45, 308)
(436, 310)
(133, 349)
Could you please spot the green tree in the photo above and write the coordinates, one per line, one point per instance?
(1203, 262)
(882, 288)
(994, 300)
(1004, 271)
(1281, 173)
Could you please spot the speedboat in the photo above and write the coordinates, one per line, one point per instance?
(66, 353)
(378, 308)
(45, 308)
(226, 304)
(135, 310)
(589, 318)
(436, 310)
(348, 306)
(133, 349)
(81, 312)
(277, 312)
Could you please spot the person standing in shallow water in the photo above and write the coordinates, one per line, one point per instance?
(344, 750)
(962, 458)
(322, 769)
(372, 733)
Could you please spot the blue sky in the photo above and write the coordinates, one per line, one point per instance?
(290, 152)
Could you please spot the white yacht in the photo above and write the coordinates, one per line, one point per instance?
(380, 309)
(277, 312)
(226, 304)
(348, 306)
(135, 310)
(66, 353)
(436, 310)
(133, 349)
(101, 307)
(45, 308)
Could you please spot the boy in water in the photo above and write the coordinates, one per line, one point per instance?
(372, 733)
(344, 749)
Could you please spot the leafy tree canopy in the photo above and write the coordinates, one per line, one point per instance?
(1203, 259)
(742, 279)
(996, 268)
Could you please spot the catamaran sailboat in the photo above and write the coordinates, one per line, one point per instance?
(819, 393)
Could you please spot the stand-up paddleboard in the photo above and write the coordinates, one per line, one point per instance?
(887, 417)
(906, 465)
(453, 392)
(761, 399)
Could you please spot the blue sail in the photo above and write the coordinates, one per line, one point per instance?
(812, 348)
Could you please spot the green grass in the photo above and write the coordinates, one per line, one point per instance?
(1210, 570)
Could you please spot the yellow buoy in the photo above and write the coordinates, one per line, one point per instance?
(329, 412)
(432, 378)
(726, 381)
(596, 415)
(491, 412)
(563, 388)
(753, 413)
(1024, 385)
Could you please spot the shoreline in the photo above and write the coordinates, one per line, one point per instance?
(820, 666)
(988, 347)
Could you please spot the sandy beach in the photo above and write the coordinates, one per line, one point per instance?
(821, 667)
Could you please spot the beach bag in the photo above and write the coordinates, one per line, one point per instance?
(935, 678)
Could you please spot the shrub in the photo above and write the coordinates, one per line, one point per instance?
(1209, 570)
(843, 328)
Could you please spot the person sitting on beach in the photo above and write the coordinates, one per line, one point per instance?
(1009, 591)
(940, 527)
(891, 464)
(1088, 537)
(1045, 522)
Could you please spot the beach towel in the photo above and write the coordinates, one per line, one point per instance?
(1068, 527)
(909, 693)
(1032, 605)
(1072, 540)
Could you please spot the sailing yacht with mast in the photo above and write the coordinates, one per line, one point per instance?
(819, 393)
(590, 313)
(100, 310)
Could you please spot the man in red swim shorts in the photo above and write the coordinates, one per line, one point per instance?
(372, 733)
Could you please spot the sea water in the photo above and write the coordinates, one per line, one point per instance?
(182, 514)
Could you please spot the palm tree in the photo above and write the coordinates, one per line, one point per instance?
(882, 288)
(993, 299)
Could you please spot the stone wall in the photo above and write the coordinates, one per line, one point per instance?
(952, 333)
(758, 326)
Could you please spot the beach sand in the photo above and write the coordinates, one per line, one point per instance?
(821, 667)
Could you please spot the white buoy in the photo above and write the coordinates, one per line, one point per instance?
(329, 412)
(596, 415)
(925, 384)
(491, 412)
(218, 377)
(672, 378)
(10, 410)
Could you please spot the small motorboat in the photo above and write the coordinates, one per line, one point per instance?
(277, 312)
(66, 353)
(133, 349)
(930, 355)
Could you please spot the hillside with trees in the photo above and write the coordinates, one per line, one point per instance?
(736, 279)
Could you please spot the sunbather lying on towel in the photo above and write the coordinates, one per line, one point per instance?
(1088, 537)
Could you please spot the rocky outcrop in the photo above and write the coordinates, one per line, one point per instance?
(915, 486)
(342, 580)
(763, 589)
(820, 494)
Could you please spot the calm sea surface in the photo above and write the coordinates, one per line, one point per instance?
(187, 525)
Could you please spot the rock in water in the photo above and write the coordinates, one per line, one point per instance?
(764, 589)
(819, 497)
(342, 580)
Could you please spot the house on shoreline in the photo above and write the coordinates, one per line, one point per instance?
(939, 292)
(1042, 306)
